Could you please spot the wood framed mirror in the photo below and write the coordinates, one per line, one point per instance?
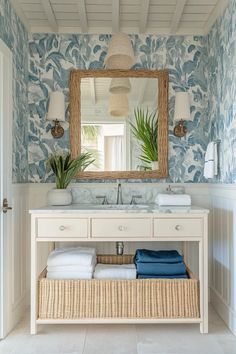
(109, 124)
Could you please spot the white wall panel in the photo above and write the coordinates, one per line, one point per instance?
(223, 252)
(20, 253)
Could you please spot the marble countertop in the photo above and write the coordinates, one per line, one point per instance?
(113, 208)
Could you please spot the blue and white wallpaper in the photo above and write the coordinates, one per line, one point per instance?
(52, 56)
(205, 66)
(222, 90)
(13, 33)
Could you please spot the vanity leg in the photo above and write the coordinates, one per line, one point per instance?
(185, 252)
(33, 328)
(34, 285)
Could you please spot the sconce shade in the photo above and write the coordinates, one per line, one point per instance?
(118, 105)
(120, 52)
(56, 109)
(120, 85)
(182, 106)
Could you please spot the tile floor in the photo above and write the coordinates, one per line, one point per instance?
(121, 339)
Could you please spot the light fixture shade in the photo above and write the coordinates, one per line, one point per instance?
(120, 52)
(118, 105)
(182, 106)
(56, 109)
(120, 85)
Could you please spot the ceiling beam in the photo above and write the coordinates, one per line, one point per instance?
(50, 14)
(179, 9)
(217, 11)
(92, 90)
(142, 90)
(144, 8)
(83, 16)
(107, 30)
(115, 16)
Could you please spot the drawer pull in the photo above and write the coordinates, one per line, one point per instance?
(122, 228)
(177, 227)
(62, 228)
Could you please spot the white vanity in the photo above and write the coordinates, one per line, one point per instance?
(104, 223)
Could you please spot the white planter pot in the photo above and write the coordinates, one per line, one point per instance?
(155, 165)
(59, 197)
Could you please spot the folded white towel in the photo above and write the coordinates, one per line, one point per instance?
(211, 161)
(84, 256)
(69, 275)
(115, 271)
(72, 268)
(173, 199)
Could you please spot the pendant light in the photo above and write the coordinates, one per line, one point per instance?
(118, 105)
(120, 52)
(120, 85)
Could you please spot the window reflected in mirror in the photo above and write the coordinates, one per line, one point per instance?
(107, 143)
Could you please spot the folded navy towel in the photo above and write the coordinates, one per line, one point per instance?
(149, 256)
(176, 276)
(160, 268)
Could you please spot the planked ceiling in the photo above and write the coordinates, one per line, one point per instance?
(96, 90)
(177, 17)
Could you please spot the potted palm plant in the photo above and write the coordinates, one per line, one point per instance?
(65, 168)
(145, 130)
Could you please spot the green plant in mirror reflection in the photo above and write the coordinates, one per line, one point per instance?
(90, 132)
(145, 130)
(90, 135)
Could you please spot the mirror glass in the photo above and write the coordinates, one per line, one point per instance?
(119, 123)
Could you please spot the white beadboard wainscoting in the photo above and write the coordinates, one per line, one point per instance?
(223, 252)
(20, 254)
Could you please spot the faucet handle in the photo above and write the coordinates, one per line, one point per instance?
(133, 199)
(105, 201)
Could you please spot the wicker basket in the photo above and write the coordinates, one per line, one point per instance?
(124, 299)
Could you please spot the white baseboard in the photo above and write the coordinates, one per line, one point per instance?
(227, 314)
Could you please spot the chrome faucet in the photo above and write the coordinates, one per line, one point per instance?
(119, 195)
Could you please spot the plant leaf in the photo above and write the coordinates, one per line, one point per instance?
(65, 168)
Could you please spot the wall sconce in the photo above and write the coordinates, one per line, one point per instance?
(120, 52)
(182, 113)
(56, 113)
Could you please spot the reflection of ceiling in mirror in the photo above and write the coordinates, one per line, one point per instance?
(95, 93)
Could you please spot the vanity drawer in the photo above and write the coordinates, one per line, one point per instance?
(174, 227)
(119, 228)
(62, 227)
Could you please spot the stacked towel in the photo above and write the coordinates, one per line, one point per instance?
(211, 161)
(173, 199)
(115, 271)
(71, 263)
(159, 264)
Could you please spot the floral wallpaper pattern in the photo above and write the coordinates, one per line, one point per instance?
(205, 66)
(13, 33)
(222, 91)
(52, 56)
